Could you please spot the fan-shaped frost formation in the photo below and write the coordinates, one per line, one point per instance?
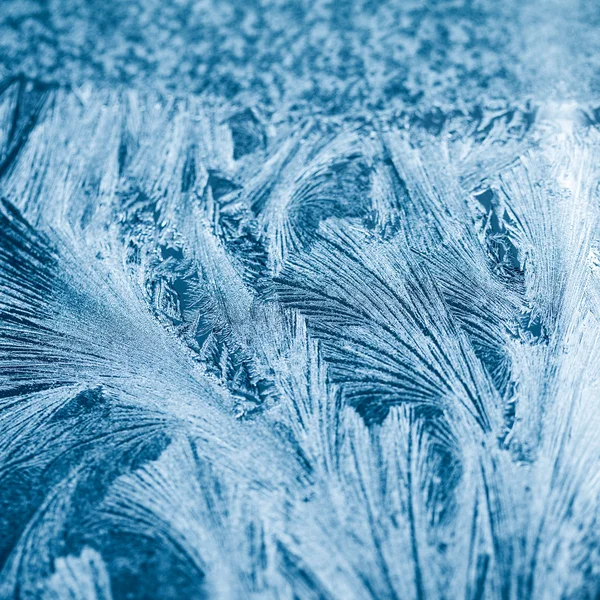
(299, 300)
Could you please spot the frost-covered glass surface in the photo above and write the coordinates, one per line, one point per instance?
(299, 300)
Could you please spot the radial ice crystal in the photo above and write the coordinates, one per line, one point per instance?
(299, 300)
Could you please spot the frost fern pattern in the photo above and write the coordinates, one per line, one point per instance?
(299, 359)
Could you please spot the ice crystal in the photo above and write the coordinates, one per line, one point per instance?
(299, 300)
